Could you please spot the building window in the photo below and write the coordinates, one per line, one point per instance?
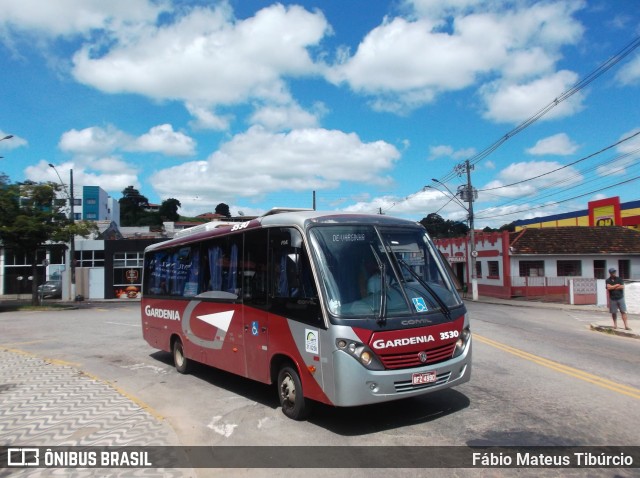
(91, 201)
(569, 269)
(128, 259)
(531, 268)
(478, 269)
(624, 269)
(90, 258)
(599, 268)
(494, 269)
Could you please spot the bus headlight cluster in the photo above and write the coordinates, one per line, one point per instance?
(361, 353)
(461, 343)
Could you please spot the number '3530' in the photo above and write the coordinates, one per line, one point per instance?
(451, 334)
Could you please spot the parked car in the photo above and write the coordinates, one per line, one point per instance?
(51, 288)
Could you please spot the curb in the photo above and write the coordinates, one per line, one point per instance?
(607, 329)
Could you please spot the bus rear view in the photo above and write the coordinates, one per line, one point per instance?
(342, 309)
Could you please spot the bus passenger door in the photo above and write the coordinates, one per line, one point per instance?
(255, 308)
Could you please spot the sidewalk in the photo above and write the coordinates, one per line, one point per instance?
(605, 325)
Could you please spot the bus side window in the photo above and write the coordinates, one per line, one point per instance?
(222, 268)
(255, 268)
(173, 272)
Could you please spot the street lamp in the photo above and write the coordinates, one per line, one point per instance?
(9, 136)
(468, 192)
(72, 244)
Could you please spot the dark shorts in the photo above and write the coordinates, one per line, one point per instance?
(615, 304)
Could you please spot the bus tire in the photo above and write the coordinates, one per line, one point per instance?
(181, 362)
(292, 400)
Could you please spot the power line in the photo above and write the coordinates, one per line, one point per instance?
(519, 211)
(606, 66)
(567, 165)
(569, 179)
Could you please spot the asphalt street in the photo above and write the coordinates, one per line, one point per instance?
(50, 402)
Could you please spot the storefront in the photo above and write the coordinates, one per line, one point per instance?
(123, 267)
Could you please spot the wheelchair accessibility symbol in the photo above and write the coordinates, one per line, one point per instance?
(420, 304)
(254, 328)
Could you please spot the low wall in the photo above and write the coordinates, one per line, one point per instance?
(632, 297)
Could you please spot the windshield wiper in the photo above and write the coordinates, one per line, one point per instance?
(443, 307)
(383, 286)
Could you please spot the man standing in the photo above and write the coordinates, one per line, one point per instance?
(615, 286)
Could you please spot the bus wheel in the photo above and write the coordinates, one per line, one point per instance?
(293, 403)
(182, 363)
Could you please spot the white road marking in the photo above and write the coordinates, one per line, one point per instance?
(224, 429)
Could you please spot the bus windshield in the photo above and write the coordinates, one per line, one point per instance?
(381, 272)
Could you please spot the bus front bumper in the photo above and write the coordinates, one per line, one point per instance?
(355, 385)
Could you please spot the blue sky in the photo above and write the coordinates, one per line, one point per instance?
(258, 104)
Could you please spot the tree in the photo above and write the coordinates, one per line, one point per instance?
(505, 227)
(31, 217)
(223, 210)
(169, 210)
(132, 207)
(437, 227)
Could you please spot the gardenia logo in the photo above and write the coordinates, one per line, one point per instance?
(162, 313)
(386, 344)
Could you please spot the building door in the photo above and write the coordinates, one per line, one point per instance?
(96, 283)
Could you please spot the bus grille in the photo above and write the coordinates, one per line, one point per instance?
(408, 360)
(407, 386)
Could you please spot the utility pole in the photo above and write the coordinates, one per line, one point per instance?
(469, 195)
(72, 242)
(72, 248)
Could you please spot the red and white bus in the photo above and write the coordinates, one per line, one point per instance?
(343, 309)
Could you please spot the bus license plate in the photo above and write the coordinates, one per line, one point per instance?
(425, 377)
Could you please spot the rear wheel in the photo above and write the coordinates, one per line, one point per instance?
(182, 363)
(293, 403)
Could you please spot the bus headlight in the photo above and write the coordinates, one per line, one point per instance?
(360, 352)
(462, 342)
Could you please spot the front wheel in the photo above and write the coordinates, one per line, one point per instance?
(293, 403)
(182, 363)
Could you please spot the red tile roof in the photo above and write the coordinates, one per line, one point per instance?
(576, 240)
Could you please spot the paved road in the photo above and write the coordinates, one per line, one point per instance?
(85, 377)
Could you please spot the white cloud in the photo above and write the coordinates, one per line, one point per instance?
(163, 139)
(417, 205)
(92, 141)
(96, 141)
(71, 17)
(628, 157)
(527, 170)
(450, 46)
(284, 117)
(206, 118)
(207, 57)
(111, 174)
(559, 144)
(514, 103)
(11, 143)
(629, 74)
(259, 162)
(446, 151)
(440, 151)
